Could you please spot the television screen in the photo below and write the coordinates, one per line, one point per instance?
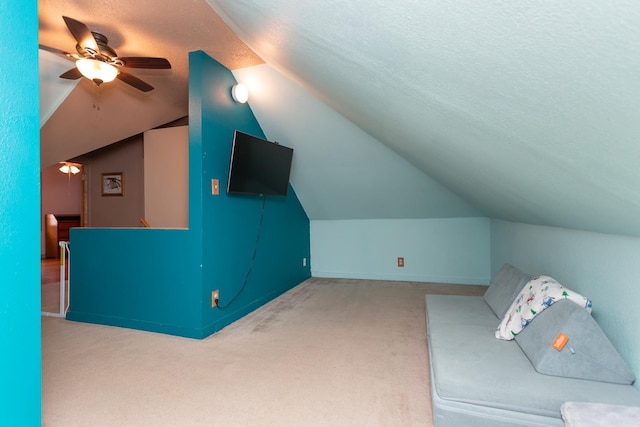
(258, 166)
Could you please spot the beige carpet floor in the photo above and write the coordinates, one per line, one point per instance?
(327, 353)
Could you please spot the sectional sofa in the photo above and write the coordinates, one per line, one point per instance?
(479, 380)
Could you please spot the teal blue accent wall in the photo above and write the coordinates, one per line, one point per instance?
(139, 278)
(603, 267)
(20, 368)
(161, 280)
(230, 222)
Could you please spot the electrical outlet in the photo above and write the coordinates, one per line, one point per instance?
(400, 261)
(304, 262)
(215, 296)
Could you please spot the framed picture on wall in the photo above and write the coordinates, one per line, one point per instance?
(113, 184)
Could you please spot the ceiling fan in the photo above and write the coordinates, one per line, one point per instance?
(98, 62)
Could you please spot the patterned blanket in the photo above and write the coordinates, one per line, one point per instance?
(538, 294)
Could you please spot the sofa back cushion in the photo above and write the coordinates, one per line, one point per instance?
(504, 288)
(565, 341)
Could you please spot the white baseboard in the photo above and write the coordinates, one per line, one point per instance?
(404, 278)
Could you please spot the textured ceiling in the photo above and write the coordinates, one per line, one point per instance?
(529, 111)
(91, 117)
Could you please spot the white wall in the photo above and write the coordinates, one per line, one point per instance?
(449, 250)
(603, 267)
(166, 177)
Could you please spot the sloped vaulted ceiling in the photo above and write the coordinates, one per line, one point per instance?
(528, 110)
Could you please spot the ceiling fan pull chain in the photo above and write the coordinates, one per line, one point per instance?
(96, 98)
(69, 183)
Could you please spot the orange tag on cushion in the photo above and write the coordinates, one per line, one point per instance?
(560, 341)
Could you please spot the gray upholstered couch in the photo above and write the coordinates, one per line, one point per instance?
(478, 380)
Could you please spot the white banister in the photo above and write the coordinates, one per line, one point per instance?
(65, 254)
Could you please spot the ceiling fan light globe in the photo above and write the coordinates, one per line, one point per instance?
(69, 168)
(97, 71)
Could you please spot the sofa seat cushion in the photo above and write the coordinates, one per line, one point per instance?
(469, 365)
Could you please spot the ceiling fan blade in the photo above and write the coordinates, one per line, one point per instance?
(62, 53)
(134, 81)
(71, 74)
(81, 33)
(145, 62)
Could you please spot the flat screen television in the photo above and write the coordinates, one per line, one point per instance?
(258, 166)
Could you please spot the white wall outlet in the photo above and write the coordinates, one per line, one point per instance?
(304, 261)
